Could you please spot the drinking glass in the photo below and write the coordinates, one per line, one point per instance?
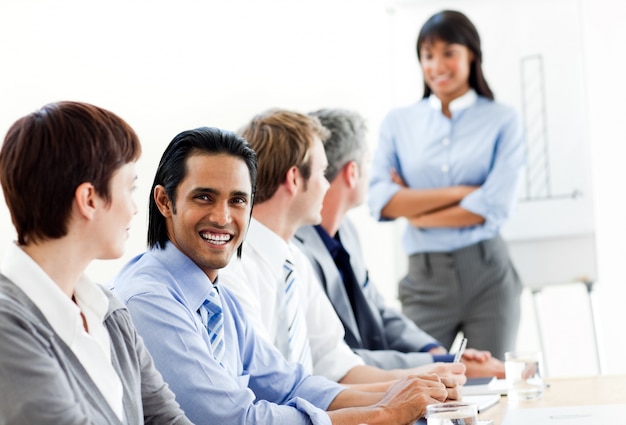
(452, 413)
(523, 375)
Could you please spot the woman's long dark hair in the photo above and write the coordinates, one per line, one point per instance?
(454, 27)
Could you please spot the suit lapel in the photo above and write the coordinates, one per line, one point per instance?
(311, 243)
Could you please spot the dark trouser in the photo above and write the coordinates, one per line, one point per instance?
(475, 290)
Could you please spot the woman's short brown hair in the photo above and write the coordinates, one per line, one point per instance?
(47, 154)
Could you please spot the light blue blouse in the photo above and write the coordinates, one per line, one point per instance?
(481, 145)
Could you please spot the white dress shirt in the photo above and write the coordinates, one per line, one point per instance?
(93, 348)
(255, 280)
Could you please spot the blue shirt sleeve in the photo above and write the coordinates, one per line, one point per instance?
(439, 358)
(210, 394)
(443, 358)
(495, 198)
(381, 188)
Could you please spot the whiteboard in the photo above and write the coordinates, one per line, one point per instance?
(533, 60)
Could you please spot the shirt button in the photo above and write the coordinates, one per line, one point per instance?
(445, 168)
(445, 141)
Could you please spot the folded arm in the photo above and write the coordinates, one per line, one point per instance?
(410, 203)
(454, 216)
(430, 207)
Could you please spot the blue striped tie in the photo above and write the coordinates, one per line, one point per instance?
(212, 317)
(299, 349)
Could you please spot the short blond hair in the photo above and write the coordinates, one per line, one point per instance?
(282, 139)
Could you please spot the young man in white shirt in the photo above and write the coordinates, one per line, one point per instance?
(290, 191)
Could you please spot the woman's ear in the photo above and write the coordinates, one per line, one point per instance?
(162, 201)
(85, 198)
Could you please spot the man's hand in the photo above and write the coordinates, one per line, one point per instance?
(481, 364)
(406, 400)
(453, 371)
(472, 354)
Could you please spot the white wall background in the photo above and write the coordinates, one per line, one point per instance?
(170, 66)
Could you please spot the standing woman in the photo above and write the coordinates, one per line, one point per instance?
(69, 353)
(450, 165)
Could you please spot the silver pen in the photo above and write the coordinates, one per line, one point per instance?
(459, 354)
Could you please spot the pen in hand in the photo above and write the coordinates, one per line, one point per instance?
(459, 354)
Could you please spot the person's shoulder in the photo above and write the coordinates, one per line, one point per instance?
(495, 106)
(117, 311)
(114, 302)
(305, 234)
(20, 316)
(142, 274)
(493, 113)
(11, 306)
(235, 274)
(408, 116)
(299, 256)
(242, 268)
(348, 224)
(9, 292)
(410, 109)
(233, 303)
(13, 299)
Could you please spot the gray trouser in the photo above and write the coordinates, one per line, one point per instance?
(475, 290)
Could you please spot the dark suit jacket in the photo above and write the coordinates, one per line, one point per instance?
(384, 337)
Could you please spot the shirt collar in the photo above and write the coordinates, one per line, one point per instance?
(458, 104)
(58, 309)
(260, 237)
(332, 245)
(184, 270)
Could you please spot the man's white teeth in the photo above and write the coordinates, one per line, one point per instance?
(218, 239)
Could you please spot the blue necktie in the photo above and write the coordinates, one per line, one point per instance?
(212, 317)
(299, 348)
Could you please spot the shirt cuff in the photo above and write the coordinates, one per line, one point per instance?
(317, 416)
(443, 358)
(428, 347)
(438, 358)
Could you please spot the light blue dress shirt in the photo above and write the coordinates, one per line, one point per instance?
(481, 145)
(163, 290)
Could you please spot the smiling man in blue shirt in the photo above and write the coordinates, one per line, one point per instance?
(220, 370)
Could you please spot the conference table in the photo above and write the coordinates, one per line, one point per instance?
(575, 391)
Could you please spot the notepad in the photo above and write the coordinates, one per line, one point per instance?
(484, 386)
(480, 422)
(572, 415)
(483, 402)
